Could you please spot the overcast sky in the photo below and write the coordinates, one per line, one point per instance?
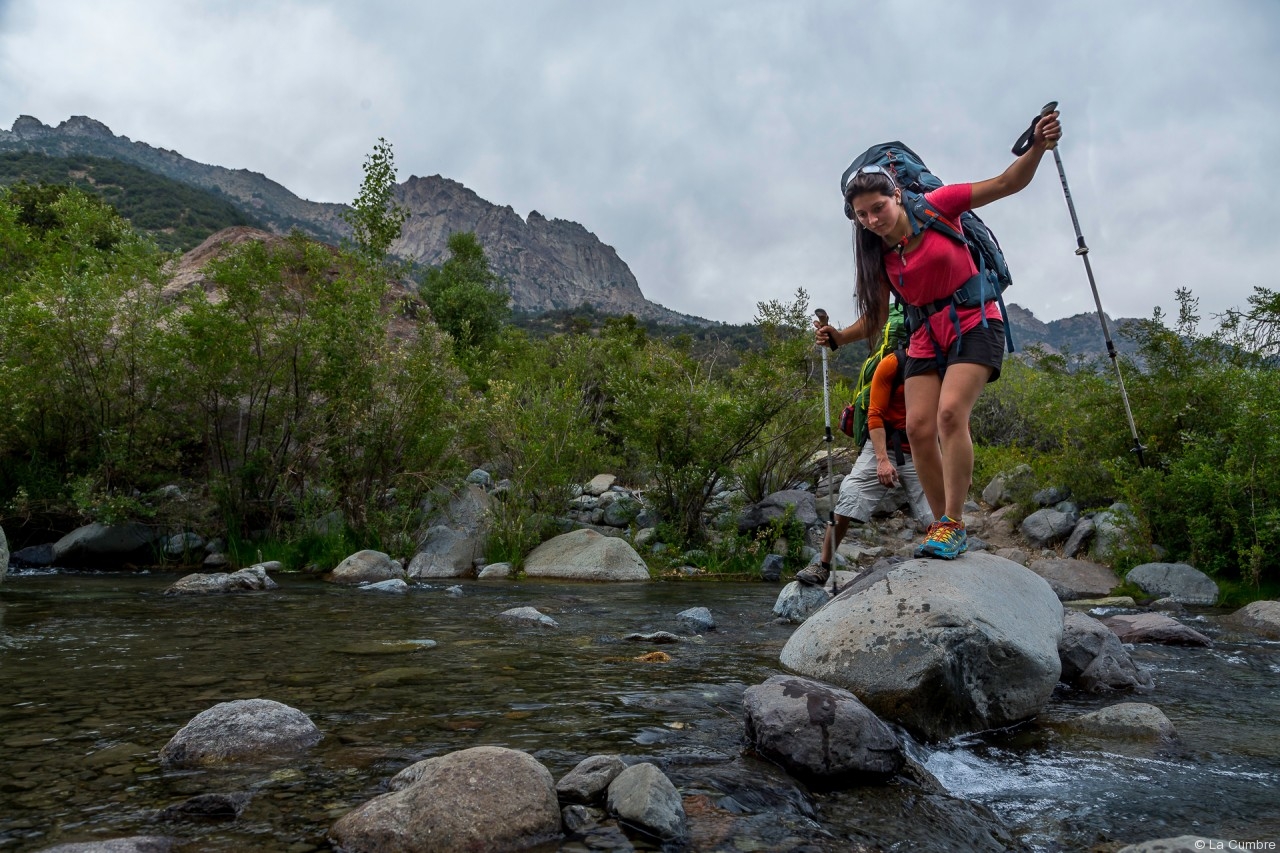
(705, 140)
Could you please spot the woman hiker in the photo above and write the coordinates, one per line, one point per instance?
(942, 381)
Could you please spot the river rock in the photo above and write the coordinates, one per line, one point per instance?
(4, 555)
(797, 601)
(1094, 660)
(600, 484)
(940, 647)
(242, 731)
(643, 798)
(33, 556)
(1073, 579)
(483, 798)
(771, 568)
(494, 571)
(1184, 584)
(589, 781)
(1046, 527)
(819, 732)
(184, 546)
(1127, 720)
(395, 586)
(102, 545)
(366, 567)
(586, 555)
(527, 616)
(1116, 531)
(622, 512)
(445, 553)
(252, 579)
(1009, 486)
(207, 807)
(696, 620)
(1181, 844)
(1079, 538)
(775, 506)
(1154, 628)
(1260, 617)
(133, 844)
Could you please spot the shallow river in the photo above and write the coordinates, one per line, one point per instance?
(97, 672)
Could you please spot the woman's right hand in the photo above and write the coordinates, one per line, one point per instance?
(825, 334)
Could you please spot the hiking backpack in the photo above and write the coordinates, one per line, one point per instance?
(915, 179)
(853, 420)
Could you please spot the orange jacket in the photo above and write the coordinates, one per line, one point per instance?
(887, 408)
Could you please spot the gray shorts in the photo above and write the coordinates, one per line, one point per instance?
(862, 491)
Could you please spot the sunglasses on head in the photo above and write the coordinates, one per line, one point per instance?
(871, 169)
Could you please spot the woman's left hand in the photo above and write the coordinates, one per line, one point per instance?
(1048, 129)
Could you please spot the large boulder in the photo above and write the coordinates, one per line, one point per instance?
(1131, 720)
(1260, 617)
(483, 798)
(1094, 660)
(4, 555)
(1116, 530)
(251, 579)
(1075, 579)
(819, 732)
(1184, 584)
(242, 731)
(589, 781)
(1046, 527)
(1154, 628)
(643, 798)
(445, 553)
(1008, 487)
(106, 546)
(797, 601)
(776, 505)
(940, 647)
(586, 555)
(366, 567)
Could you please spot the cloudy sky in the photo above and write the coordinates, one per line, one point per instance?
(705, 140)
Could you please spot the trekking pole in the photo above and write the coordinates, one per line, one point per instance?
(826, 417)
(1021, 147)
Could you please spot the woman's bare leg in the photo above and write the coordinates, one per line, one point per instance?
(922, 395)
(959, 391)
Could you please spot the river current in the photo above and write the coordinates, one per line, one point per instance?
(98, 671)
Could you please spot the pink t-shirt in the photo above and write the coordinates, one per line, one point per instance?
(934, 270)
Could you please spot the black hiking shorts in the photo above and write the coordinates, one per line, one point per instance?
(979, 345)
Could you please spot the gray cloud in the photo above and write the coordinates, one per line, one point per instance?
(705, 141)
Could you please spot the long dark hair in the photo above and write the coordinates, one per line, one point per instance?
(868, 250)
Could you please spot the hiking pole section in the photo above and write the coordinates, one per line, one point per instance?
(826, 414)
(1019, 148)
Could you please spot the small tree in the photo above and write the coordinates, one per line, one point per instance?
(374, 217)
(466, 298)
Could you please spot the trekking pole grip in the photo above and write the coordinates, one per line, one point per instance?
(1028, 137)
(821, 314)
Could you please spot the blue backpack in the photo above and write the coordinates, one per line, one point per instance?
(915, 179)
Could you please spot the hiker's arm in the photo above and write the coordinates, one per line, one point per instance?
(885, 472)
(859, 330)
(1022, 170)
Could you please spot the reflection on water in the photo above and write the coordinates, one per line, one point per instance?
(98, 672)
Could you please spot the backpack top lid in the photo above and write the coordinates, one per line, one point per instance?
(906, 166)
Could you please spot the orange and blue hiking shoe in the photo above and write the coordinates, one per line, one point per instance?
(946, 540)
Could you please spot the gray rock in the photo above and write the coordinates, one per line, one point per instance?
(483, 798)
(34, 556)
(1079, 538)
(1050, 496)
(1181, 844)
(1008, 487)
(644, 538)
(495, 571)
(252, 579)
(133, 844)
(216, 560)
(643, 798)
(818, 732)
(480, 477)
(184, 545)
(586, 555)
(696, 620)
(588, 782)
(1154, 628)
(1046, 527)
(527, 616)
(600, 484)
(1094, 660)
(1075, 579)
(657, 637)
(1116, 531)
(577, 819)
(396, 586)
(4, 555)
(797, 602)
(1182, 583)
(1016, 555)
(942, 648)
(622, 512)
(364, 567)
(243, 731)
(207, 807)
(445, 553)
(1260, 617)
(775, 506)
(101, 545)
(1127, 720)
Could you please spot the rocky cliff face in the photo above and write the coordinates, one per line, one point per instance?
(546, 263)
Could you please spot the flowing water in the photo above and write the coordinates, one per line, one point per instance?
(98, 671)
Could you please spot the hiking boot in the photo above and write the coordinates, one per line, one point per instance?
(946, 540)
(815, 574)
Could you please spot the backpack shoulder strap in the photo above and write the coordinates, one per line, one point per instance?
(924, 215)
